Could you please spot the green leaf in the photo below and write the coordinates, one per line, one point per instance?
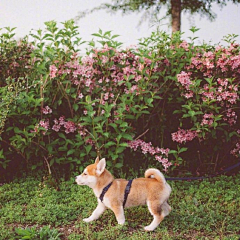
(120, 150)
(106, 134)
(51, 162)
(50, 148)
(191, 113)
(123, 145)
(118, 165)
(88, 148)
(127, 136)
(182, 150)
(17, 130)
(109, 144)
(124, 124)
(114, 125)
(62, 135)
(172, 151)
(71, 151)
(75, 107)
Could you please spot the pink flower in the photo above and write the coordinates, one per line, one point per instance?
(62, 120)
(184, 45)
(44, 124)
(70, 127)
(188, 94)
(88, 82)
(141, 67)
(236, 150)
(106, 95)
(183, 135)
(82, 133)
(230, 117)
(148, 148)
(207, 119)
(90, 141)
(56, 127)
(35, 130)
(46, 110)
(53, 71)
(209, 55)
(184, 79)
(80, 95)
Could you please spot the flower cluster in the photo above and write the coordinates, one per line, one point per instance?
(221, 90)
(111, 78)
(216, 75)
(184, 44)
(69, 126)
(184, 79)
(148, 148)
(44, 124)
(208, 119)
(53, 71)
(236, 150)
(221, 60)
(230, 117)
(183, 136)
(46, 110)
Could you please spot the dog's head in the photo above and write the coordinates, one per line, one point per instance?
(91, 173)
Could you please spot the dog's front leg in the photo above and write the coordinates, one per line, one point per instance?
(96, 213)
(119, 213)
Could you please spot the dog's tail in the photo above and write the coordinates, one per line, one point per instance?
(155, 173)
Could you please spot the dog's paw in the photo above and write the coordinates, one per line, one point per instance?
(87, 220)
(148, 228)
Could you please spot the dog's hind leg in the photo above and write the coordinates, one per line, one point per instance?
(96, 213)
(155, 209)
(166, 209)
(119, 213)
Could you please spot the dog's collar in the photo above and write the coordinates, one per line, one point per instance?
(127, 191)
(104, 191)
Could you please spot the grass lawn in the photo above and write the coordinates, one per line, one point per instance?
(31, 208)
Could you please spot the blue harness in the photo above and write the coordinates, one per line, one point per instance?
(127, 191)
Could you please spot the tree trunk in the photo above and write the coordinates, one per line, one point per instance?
(176, 15)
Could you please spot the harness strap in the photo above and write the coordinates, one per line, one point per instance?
(127, 191)
(104, 191)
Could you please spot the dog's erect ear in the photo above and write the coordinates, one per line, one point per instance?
(97, 159)
(101, 166)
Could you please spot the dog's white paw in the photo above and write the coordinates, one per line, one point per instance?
(121, 222)
(87, 220)
(148, 228)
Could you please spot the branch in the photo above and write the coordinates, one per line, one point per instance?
(49, 169)
(141, 135)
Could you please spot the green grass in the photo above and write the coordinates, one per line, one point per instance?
(207, 209)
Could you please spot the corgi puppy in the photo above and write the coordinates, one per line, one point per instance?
(116, 194)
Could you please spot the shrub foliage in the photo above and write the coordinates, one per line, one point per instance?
(164, 101)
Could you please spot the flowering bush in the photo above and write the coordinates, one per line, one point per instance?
(209, 85)
(164, 92)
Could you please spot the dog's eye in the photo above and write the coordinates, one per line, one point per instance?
(84, 174)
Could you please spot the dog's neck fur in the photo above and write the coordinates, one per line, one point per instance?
(103, 181)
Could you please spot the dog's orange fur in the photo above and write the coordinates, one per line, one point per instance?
(152, 190)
